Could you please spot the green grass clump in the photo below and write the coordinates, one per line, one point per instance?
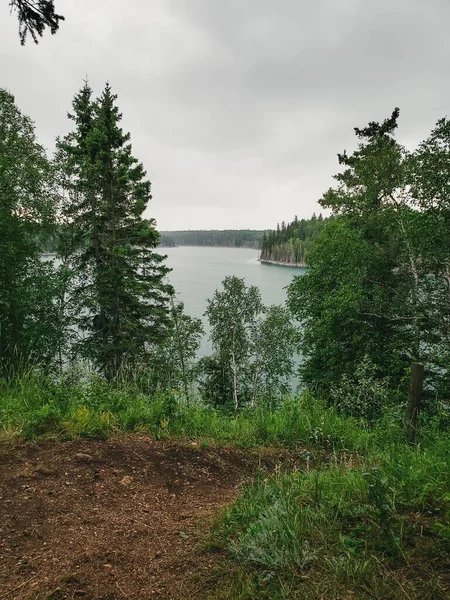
(378, 530)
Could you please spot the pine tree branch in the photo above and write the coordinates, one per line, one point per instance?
(34, 16)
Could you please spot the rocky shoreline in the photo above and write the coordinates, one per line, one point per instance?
(282, 264)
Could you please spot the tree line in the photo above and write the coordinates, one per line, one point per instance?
(289, 243)
(374, 299)
(230, 238)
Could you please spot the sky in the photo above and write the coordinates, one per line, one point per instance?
(238, 108)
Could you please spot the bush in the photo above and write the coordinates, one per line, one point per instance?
(363, 396)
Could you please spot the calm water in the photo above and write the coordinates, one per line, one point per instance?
(198, 271)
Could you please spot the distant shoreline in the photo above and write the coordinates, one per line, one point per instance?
(209, 246)
(282, 264)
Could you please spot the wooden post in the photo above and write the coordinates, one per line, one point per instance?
(414, 400)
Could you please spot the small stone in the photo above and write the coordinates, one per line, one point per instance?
(84, 458)
(125, 481)
(107, 566)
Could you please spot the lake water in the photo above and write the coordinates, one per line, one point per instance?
(198, 271)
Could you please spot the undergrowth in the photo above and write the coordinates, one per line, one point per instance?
(36, 406)
(374, 523)
(377, 529)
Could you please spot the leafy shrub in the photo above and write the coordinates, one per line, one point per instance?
(363, 396)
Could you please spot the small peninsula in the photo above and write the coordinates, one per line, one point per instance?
(288, 245)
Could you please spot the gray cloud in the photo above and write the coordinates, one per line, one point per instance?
(238, 109)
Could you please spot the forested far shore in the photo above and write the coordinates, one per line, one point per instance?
(287, 245)
(229, 238)
(226, 238)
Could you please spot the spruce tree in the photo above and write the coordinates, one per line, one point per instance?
(122, 306)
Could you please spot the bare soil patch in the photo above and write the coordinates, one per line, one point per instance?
(114, 520)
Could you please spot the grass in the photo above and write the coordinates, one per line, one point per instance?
(380, 529)
(370, 520)
(36, 406)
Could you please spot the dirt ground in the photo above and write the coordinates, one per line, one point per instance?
(112, 520)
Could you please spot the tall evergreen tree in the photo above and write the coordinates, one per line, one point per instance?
(121, 291)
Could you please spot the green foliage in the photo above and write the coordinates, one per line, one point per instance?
(174, 362)
(27, 287)
(428, 170)
(27, 402)
(377, 285)
(291, 243)
(121, 294)
(233, 317)
(333, 532)
(274, 355)
(364, 395)
(342, 303)
(253, 353)
(442, 528)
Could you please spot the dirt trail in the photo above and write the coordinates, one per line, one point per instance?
(112, 520)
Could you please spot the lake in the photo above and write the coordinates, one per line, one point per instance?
(198, 271)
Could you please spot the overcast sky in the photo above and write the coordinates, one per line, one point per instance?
(237, 108)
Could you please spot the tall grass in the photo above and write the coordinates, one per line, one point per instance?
(35, 405)
(376, 529)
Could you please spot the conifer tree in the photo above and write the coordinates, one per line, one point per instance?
(122, 294)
